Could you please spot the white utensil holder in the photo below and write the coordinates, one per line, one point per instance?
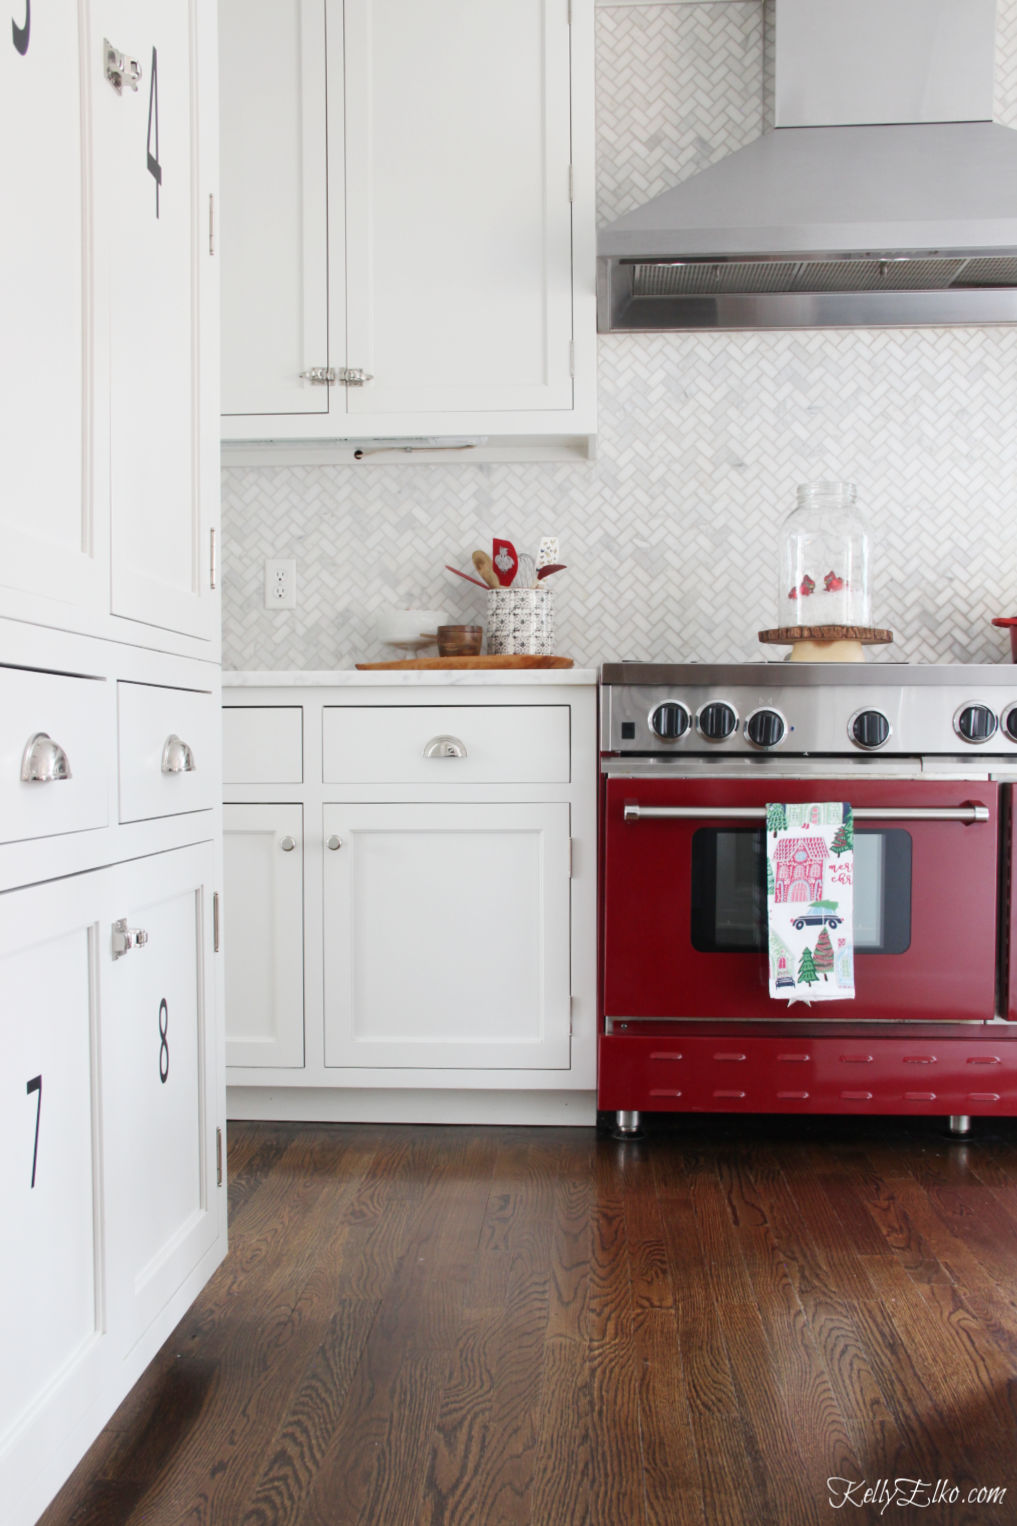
(520, 621)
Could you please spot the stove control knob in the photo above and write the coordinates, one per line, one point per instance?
(670, 720)
(869, 729)
(1010, 723)
(716, 721)
(765, 728)
(975, 723)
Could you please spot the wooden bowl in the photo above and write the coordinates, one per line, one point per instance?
(460, 640)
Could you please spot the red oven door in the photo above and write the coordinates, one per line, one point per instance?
(684, 900)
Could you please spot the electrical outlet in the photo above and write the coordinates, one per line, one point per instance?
(280, 584)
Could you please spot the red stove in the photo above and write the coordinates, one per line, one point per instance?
(691, 755)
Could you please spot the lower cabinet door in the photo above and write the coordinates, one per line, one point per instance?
(446, 933)
(159, 1082)
(50, 1267)
(264, 934)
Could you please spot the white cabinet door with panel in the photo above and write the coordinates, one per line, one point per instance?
(458, 213)
(152, 199)
(446, 935)
(446, 207)
(48, 541)
(51, 1318)
(160, 1076)
(275, 312)
(264, 934)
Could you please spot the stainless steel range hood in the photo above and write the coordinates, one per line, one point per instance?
(903, 213)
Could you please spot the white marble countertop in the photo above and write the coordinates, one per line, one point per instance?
(403, 677)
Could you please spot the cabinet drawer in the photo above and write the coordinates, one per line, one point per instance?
(501, 744)
(73, 713)
(263, 744)
(168, 742)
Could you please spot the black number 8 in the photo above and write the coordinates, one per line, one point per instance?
(163, 1041)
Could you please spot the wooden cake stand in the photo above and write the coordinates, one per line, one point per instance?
(826, 643)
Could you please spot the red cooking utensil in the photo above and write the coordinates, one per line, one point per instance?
(466, 576)
(545, 572)
(506, 562)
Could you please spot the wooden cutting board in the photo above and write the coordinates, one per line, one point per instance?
(439, 663)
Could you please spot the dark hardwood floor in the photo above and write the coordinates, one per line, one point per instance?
(490, 1327)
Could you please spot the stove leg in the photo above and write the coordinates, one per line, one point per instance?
(959, 1125)
(626, 1124)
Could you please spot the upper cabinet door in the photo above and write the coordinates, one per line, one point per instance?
(275, 318)
(151, 195)
(47, 537)
(458, 212)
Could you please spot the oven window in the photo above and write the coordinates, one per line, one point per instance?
(729, 890)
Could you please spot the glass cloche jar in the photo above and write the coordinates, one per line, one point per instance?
(824, 578)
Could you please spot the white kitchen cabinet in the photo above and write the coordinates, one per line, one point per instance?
(159, 1074)
(405, 191)
(152, 191)
(447, 935)
(115, 1218)
(48, 535)
(51, 1325)
(263, 887)
(449, 906)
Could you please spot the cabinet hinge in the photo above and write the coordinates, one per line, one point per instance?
(572, 1013)
(572, 184)
(570, 856)
(572, 359)
(570, 12)
(211, 224)
(213, 570)
(215, 922)
(218, 1157)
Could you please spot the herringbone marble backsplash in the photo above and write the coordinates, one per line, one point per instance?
(671, 535)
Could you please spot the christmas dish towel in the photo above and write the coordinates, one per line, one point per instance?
(809, 900)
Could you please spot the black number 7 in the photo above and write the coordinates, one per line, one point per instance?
(20, 33)
(35, 1085)
(154, 167)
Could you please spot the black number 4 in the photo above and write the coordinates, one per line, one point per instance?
(35, 1085)
(20, 34)
(154, 167)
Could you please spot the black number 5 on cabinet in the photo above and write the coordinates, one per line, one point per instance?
(35, 1085)
(20, 34)
(154, 167)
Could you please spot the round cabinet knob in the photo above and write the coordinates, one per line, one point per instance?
(670, 720)
(869, 729)
(716, 721)
(1010, 723)
(765, 728)
(44, 760)
(975, 723)
(288, 844)
(334, 843)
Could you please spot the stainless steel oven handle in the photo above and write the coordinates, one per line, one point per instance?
(964, 813)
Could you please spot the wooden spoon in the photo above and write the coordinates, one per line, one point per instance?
(485, 567)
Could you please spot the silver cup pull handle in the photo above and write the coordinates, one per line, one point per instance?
(44, 760)
(445, 747)
(177, 757)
